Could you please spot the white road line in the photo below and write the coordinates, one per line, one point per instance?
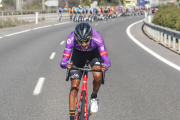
(52, 55)
(18, 32)
(62, 23)
(33, 29)
(1, 37)
(148, 50)
(62, 42)
(39, 86)
(41, 27)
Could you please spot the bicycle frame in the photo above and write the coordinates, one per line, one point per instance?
(84, 88)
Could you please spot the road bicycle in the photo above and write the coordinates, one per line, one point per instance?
(83, 107)
(60, 17)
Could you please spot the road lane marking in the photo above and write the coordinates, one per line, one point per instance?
(52, 55)
(1, 37)
(148, 50)
(41, 27)
(18, 32)
(39, 86)
(62, 42)
(62, 23)
(31, 29)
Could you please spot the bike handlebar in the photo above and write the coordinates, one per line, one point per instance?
(87, 70)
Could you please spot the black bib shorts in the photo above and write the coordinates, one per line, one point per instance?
(79, 59)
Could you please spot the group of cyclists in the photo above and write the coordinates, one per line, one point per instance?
(102, 13)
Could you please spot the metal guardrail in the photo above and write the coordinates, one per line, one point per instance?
(166, 36)
(29, 12)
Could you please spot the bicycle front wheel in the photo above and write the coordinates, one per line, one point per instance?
(82, 113)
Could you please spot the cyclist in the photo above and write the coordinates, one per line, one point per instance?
(109, 11)
(70, 13)
(74, 12)
(90, 14)
(96, 12)
(85, 43)
(60, 11)
(87, 12)
(84, 13)
(78, 12)
(106, 12)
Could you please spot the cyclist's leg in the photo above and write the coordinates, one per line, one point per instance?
(73, 97)
(96, 64)
(75, 77)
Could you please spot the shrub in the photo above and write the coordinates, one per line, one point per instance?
(168, 16)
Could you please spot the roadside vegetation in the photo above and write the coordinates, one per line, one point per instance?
(13, 22)
(168, 16)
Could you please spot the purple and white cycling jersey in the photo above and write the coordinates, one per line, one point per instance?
(96, 41)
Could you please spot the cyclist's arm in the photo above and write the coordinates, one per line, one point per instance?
(103, 52)
(67, 51)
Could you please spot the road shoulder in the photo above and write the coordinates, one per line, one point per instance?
(11, 30)
(138, 33)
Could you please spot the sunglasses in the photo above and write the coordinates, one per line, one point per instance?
(83, 41)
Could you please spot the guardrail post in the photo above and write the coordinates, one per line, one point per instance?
(149, 17)
(153, 32)
(21, 17)
(149, 29)
(179, 44)
(161, 37)
(158, 35)
(146, 14)
(169, 39)
(165, 38)
(174, 42)
(36, 17)
(2, 18)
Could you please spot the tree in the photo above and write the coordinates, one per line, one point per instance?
(72, 3)
(102, 2)
(86, 2)
(37, 2)
(10, 3)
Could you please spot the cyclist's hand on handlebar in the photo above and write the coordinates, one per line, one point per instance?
(103, 67)
(69, 65)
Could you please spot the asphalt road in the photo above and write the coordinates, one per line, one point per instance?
(138, 86)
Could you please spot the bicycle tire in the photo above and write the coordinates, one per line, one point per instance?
(81, 113)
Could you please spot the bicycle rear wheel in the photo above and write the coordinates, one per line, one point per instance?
(82, 112)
